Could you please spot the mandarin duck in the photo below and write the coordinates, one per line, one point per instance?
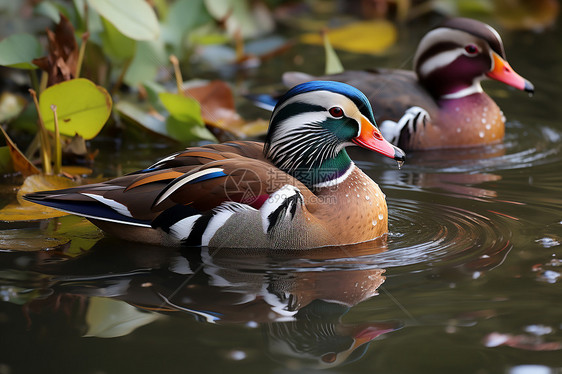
(441, 103)
(299, 189)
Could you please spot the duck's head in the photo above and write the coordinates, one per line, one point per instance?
(453, 58)
(313, 123)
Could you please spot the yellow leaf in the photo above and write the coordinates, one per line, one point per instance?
(76, 170)
(372, 37)
(252, 129)
(28, 211)
(38, 182)
(17, 212)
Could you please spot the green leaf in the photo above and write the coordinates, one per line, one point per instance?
(333, 63)
(83, 235)
(49, 10)
(247, 18)
(187, 132)
(182, 108)
(79, 7)
(183, 17)
(149, 57)
(82, 107)
(71, 234)
(169, 127)
(115, 44)
(19, 50)
(153, 89)
(134, 18)
(139, 115)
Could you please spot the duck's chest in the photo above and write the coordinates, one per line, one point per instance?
(472, 120)
(356, 207)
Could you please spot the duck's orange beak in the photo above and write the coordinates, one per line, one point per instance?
(501, 71)
(371, 138)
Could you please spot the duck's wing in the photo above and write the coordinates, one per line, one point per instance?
(188, 183)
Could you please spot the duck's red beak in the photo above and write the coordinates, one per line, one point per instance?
(371, 138)
(501, 71)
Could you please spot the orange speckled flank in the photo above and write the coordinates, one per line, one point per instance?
(469, 121)
(356, 211)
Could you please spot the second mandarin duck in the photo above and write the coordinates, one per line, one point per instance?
(298, 190)
(441, 103)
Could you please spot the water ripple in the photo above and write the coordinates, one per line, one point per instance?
(430, 234)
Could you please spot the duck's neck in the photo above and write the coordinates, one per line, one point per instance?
(461, 91)
(329, 173)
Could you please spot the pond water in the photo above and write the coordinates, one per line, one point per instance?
(469, 279)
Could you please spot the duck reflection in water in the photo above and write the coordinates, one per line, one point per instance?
(298, 303)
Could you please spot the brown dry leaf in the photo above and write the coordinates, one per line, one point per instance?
(20, 162)
(62, 60)
(218, 110)
(28, 211)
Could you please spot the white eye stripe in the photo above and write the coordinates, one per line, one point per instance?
(327, 99)
(442, 36)
(440, 60)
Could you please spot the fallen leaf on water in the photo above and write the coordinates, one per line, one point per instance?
(75, 170)
(372, 37)
(27, 240)
(28, 211)
(71, 235)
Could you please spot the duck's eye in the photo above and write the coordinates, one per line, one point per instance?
(471, 49)
(336, 112)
